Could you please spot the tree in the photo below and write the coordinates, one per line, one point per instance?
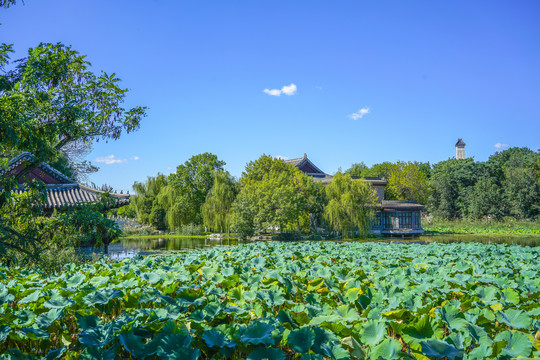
(49, 100)
(274, 195)
(146, 199)
(351, 205)
(357, 170)
(407, 181)
(191, 183)
(451, 181)
(216, 210)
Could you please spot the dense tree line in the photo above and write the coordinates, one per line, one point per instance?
(270, 196)
(508, 184)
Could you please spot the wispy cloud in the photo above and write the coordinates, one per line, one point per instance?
(135, 158)
(360, 113)
(110, 159)
(280, 157)
(500, 146)
(288, 90)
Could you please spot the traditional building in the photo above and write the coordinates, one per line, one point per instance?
(393, 217)
(460, 149)
(62, 191)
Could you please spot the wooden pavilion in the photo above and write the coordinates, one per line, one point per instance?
(394, 217)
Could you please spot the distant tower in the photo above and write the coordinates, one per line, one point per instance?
(460, 149)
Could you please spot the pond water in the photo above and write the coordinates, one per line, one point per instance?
(129, 247)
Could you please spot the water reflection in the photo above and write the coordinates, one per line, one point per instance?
(125, 247)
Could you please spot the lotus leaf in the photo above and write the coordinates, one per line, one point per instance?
(372, 332)
(517, 344)
(440, 349)
(258, 333)
(387, 350)
(301, 340)
(517, 319)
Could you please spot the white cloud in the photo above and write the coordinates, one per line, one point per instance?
(500, 146)
(288, 90)
(109, 160)
(281, 157)
(135, 158)
(360, 113)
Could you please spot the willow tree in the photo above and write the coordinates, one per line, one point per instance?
(351, 205)
(216, 210)
(146, 202)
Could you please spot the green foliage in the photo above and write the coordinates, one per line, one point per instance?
(506, 225)
(192, 183)
(274, 195)
(350, 205)
(49, 101)
(216, 210)
(282, 300)
(409, 181)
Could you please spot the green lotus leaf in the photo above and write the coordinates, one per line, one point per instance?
(4, 332)
(453, 317)
(96, 353)
(97, 336)
(152, 277)
(311, 357)
(335, 352)
(480, 353)
(236, 294)
(176, 346)
(286, 319)
(387, 350)
(101, 297)
(266, 353)
(301, 340)
(518, 319)
(347, 312)
(440, 349)
(510, 296)
(37, 333)
(55, 354)
(57, 301)
(215, 338)
(5, 296)
(24, 317)
(75, 280)
(517, 344)
(86, 322)
(372, 332)
(479, 335)
(354, 346)
(423, 329)
(45, 320)
(98, 281)
(258, 333)
(486, 293)
(211, 310)
(34, 296)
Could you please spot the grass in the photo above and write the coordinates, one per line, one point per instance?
(505, 226)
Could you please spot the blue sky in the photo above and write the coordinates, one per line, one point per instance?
(417, 74)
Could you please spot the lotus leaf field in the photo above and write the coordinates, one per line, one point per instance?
(276, 301)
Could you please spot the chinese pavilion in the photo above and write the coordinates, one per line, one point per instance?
(62, 191)
(394, 217)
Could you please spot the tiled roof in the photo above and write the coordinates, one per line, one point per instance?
(28, 157)
(401, 205)
(460, 142)
(68, 193)
(59, 196)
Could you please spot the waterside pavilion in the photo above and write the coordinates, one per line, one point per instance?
(394, 217)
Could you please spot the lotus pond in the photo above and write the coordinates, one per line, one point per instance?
(309, 300)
